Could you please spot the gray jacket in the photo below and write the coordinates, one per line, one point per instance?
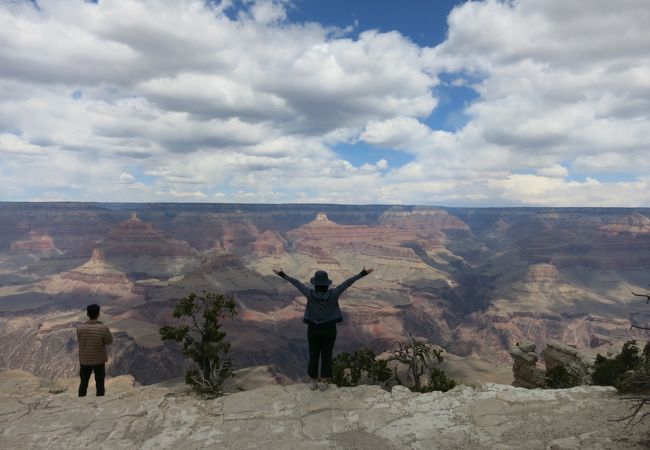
(323, 307)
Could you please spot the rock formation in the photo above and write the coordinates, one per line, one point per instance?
(268, 243)
(134, 237)
(94, 277)
(633, 224)
(36, 243)
(525, 372)
(577, 364)
(542, 273)
(39, 414)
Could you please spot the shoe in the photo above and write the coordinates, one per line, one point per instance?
(323, 386)
(313, 385)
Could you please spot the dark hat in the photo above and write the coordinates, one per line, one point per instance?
(320, 279)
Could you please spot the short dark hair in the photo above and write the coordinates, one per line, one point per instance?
(93, 311)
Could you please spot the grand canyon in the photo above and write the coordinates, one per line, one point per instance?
(472, 280)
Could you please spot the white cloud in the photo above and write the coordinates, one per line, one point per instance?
(205, 105)
(554, 171)
(198, 195)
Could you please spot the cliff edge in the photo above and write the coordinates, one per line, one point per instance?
(39, 414)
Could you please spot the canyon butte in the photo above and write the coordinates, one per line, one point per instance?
(474, 281)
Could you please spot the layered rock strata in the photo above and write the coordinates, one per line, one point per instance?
(36, 243)
(134, 238)
(578, 365)
(525, 372)
(94, 277)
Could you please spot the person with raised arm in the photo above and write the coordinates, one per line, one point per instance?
(322, 313)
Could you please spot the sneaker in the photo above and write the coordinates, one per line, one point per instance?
(313, 385)
(323, 386)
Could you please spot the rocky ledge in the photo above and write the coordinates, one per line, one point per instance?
(40, 414)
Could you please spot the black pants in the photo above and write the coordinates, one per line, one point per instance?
(84, 373)
(321, 340)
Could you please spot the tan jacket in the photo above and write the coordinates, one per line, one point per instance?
(93, 338)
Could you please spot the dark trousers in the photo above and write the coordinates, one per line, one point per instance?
(84, 373)
(321, 340)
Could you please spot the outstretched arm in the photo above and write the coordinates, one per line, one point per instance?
(301, 287)
(347, 283)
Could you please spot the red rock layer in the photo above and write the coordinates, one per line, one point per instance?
(37, 243)
(133, 238)
(268, 243)
(540, 273)
(322, 239)
(634, 224)
(94, 277)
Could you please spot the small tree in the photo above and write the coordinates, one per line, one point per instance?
(419, 357)
(202, 339)
(360, 366)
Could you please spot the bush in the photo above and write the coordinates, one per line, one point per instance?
(202, 339)
(361, 367)
(559, 378)
(609, 371)
(438, 381)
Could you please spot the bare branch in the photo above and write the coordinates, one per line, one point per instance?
(635, 418)
(647, 296)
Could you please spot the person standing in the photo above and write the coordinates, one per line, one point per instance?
(322, 313)
(93, 337)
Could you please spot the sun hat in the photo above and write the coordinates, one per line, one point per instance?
(320, 279)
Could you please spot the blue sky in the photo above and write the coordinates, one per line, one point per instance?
(482, 103)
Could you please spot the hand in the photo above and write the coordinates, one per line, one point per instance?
(279, 272)
(369, 270)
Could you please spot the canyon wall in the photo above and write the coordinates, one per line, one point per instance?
(474, 281)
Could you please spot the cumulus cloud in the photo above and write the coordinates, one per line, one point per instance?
(229, 101)
(554, 171)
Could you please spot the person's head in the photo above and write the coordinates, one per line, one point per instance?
(92, 311)
(321, 281)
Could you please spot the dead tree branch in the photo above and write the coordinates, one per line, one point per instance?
(635, 417)
(647, 296)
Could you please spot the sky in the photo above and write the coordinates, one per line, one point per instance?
(429, 102)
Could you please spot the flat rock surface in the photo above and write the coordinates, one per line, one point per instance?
(39, 414)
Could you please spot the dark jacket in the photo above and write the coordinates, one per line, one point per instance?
(323, 307)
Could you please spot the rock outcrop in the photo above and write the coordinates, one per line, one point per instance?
(96, 277)
(268, 243)
(134, 238)
(542, 273)
(39, 414)
(577, 364)
(525, 372)
(634, 224)
(35, 243)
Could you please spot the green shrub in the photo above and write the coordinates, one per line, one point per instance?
(360, 367)
(559, 378)
(438, 381)
(609, 371)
